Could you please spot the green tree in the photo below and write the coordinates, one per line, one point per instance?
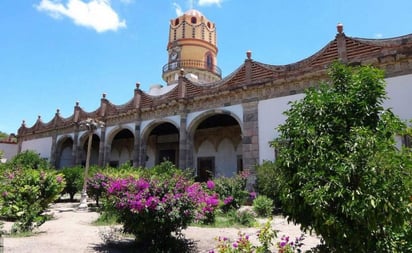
(3, 135)
(343, 175)
(30, 160)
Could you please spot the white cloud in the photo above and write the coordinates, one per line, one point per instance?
(178, 9)
(209, 2)
(96, 14)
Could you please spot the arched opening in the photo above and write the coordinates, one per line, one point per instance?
(162, 144)
(122, 148)
(193, 20)
(209, 61)
(217, 147)
(177, 21)
(65, 154)
(94, 155)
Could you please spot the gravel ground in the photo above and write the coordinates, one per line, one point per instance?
(71, 231)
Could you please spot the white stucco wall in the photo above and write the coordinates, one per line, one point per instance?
(270, 116)
(41, 146)
(9, 150)
(399, 91)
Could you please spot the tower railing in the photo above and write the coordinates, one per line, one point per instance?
(176, 65)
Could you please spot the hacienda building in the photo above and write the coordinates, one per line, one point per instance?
(202, 121)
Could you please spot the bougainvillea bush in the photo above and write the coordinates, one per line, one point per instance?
(152, 209)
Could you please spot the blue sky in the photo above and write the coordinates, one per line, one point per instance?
(56, 52)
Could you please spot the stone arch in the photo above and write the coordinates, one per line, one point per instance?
(64, 152)
(198, 119)
(160, 141)
(222, 130)
(120, 146)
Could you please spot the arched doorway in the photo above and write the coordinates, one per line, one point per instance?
(122, 148)
(65, 153)
(217, 146)
(94, 155)
(162, 143)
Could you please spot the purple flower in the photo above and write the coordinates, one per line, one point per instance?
(252, 195)
(234, 245)
(228, 200)
(59, 179)
(210, 184)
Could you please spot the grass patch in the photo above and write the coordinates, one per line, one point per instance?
(106, 219)
(230, 219)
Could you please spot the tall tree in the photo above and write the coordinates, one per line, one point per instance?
(343, 175)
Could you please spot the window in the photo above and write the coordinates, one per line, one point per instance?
(193, 20)
(176, 21)
(209, 61)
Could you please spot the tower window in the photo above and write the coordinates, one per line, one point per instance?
(176, 21)
(209, 60)
(208, 24)
(193, 20)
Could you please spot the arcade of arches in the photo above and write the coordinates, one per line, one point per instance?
(214, 146)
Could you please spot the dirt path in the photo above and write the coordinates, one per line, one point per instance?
(71, 231)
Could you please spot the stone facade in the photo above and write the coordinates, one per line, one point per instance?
(214, 124)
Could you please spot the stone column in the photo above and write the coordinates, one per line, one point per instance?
(250, 140)
(341, 43)
(101, 159)
(136, 149)
(75, 149)
(183, 143)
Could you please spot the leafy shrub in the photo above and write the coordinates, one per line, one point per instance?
(74, 180)
(26, 194)
(151, 209)
(28, 159)
(232, 190)
(263, 206)
(268, 181)
(244, 216)
(342, 174)
(165, 170)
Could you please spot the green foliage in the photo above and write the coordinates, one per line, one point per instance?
(343, 176)
(269, 181)
(243, 243)
(165, 170)
(3, 135)
(232, 191)
(26, 194)
(263, 206)
(28, 160)
(74, 180)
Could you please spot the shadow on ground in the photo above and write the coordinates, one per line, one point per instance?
(177, 245)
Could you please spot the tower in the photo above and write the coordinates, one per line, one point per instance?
(192, 47)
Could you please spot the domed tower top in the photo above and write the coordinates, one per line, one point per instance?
(192, 46)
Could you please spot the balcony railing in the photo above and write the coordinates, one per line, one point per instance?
(176, 65)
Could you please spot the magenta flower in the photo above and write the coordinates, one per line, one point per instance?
(228, 200)
(210, 184)
(59, 179)
(252, 195)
